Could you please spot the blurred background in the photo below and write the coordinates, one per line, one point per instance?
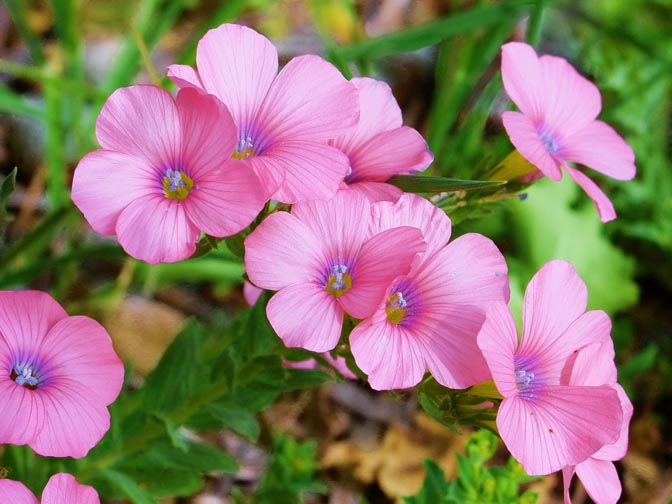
(60, 60)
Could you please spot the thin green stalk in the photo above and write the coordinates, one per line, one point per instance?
(54, 149)
(18, 11)
(13, 103)
(535, 23)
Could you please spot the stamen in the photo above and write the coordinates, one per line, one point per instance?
(176, 184)
(25, 376)
(548, 139)
(340, 281)
(396, 308)
(244, 149)
(527, 381)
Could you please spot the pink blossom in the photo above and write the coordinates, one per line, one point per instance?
(428, 319)
(282, 120)
(165, 173)
(379, 146)
(558, 122)
(62, 488)
(594, 365)
(58, 374)
(323, 261)
(545, 422)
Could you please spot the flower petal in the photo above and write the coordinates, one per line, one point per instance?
(617, 450)
(382, 258)
(157, 229)
(598, 146)
(142, 121)
(603, 204)
(63, 487)
(105, 182)
(388, 354)
(237, 65)
(282, 251)
(185, 76)
(23, 414)
(307, 316)
(522, 79)
(524, 136)
(600, 479)
(375, 191)
(308, 100)
(498, 340)
(15, 492)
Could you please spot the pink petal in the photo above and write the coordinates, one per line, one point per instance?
(378, 111)
(594, 364)
(23, 412)
(604, 206)
(600, 479)
(570, 101)
(25, 319)
(105, 182)
(376, 191)
(498, 340)
(185, 77)
(225, 200)
(522, 79)
(555, 297)
(388, 354)
(599, 147)
(237, 65)
(62, 488)
(209, 134)
(282, 251)
(15, 492)
(562, 426)
(305, 315)
(523, 134)
(416, 211)
(567, 475)
(398, 151)
(157, 229)
(141, 121)
(271, 173)
(617, 450)
(312, 170)
(251, 293)
(382, 258)
(309, 100)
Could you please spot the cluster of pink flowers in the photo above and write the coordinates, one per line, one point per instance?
(240, 134)
(61, 488)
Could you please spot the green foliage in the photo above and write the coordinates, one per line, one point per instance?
(476, 483)
(433, 185)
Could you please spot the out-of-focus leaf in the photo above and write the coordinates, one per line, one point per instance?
(128, 486)
(434, 488)
(421, 184)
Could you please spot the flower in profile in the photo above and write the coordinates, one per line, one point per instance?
(428, 319)
(283, 119)
(594, 365)
(165, 173)
(545, 422)
(58, 374)
(62, 488)
(323, 261)
(558, 122)
(379, 146)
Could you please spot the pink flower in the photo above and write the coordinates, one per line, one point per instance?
(379, 146)
(594, 365)
(546, 423)
(428, 319)
(57, 376)
(283, 120)
(62, 488)
(164, 174)
(557, 124)
(322, 260)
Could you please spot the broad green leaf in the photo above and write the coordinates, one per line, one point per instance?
(433, 185)
(128, 486)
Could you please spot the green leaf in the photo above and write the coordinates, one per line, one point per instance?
(421, 184)
(238, 419)
(128, 486)
(13, 103)
(194, 457)
(435, 486)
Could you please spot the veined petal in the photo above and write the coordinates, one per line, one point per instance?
(282, 251)
(567, 475)
(394, 152)
(209, 134)
(23, 413)
(312, 170)
(382, 258)
(375, 191)
(617, 450)
(603, 204)
(522, 79)
(524, 136)
(388, 354)
(157, 230)
(62, 488)
(271, 174)
(308, 100)
(185, 76)
(15, 492)
(305, 315)
(105, 182)
(237, 65)
(142, 121)
(226, 199)
(600, 479)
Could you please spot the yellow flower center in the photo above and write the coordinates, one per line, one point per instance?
(396, 308)
(244, 149)
(339, 281)
(176, 184)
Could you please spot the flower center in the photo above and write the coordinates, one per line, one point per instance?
(25, 376)
(244, 149)
(396, 308)
(527, 381)
(548, 139)
(340, 281)
(176, 184)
